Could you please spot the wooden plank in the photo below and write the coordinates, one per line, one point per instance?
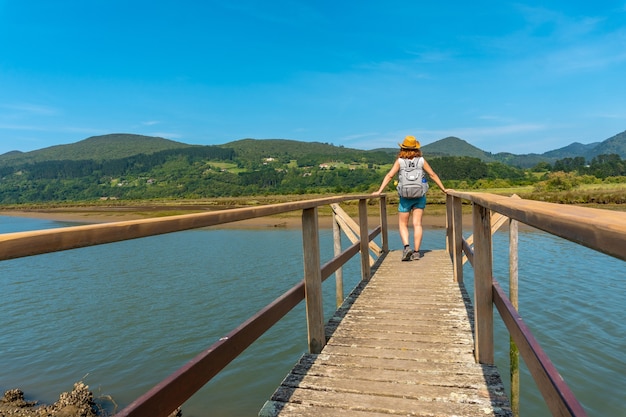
(347, 230)
(401, 345)
(348, 224)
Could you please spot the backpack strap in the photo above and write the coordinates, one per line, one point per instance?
(404, 163)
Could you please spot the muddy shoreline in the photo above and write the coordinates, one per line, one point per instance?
(84, 215)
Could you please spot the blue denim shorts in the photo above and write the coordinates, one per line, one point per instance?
(407, 205)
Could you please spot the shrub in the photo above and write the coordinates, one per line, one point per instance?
(558, 181)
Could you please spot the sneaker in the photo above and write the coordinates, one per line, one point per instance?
(406, 255)
(416, 256)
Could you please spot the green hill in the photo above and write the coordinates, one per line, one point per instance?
(572, 150)
(253, 151)
(306, 153)
(126, 166)
(98, 148)
(453, 146)
(613, 145)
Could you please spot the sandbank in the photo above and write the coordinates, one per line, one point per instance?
(87, 215)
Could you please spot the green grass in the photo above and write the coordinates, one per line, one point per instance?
(228, 166)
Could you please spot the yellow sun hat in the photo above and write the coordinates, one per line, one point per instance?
(410, 143)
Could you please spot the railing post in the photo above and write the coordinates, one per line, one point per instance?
(455, 235)
(513, 296)
(449, 225)
(383, 224)
(313, 280)
(483, 277)
(337, 252)
(363, 230)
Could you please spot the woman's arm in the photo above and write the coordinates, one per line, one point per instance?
(434, 176)
(392, 172)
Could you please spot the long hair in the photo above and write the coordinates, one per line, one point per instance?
(409, 153)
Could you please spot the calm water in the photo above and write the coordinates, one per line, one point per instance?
(123, 316)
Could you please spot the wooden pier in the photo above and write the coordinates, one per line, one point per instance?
(401, 344)
(407, 341)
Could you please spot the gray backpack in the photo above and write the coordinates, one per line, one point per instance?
(411, 180)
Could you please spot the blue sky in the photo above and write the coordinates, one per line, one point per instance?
(505, 76)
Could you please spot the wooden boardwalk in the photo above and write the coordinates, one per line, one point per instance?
(400, 345)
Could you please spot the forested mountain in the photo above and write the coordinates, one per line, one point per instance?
(306, 153)
(117, 146)
(124, 166)
(572, 150)
(453, 146)
(114, 146)
(613, 145)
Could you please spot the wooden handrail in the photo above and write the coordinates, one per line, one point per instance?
(20, 244)
(558, 396)
(170, 393)
(600, 230)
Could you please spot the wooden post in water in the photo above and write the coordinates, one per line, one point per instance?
(363, 229)
(513, 296)
(313, 280)
(384, 226)
(337, 252)
(483, 293)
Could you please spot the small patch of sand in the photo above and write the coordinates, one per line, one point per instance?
(103, 215)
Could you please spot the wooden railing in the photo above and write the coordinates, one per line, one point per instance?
(169, 394)
(600, 230)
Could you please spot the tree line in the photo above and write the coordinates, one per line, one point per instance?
(198, 172)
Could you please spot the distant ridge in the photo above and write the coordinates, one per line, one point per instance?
(112, 146)
(571, 151)
(124, 145)
(613, 145)
(293, 149)
(453, 146)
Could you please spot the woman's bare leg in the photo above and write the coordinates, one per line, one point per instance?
(403, 227)
(417, 228)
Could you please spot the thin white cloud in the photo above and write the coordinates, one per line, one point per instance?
(54, 129)
(581, 43)
(616, 115)
(6, 126)
(357, 136)
(431, 56)
(32, 109)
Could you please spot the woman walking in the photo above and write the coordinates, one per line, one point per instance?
(410, 158)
